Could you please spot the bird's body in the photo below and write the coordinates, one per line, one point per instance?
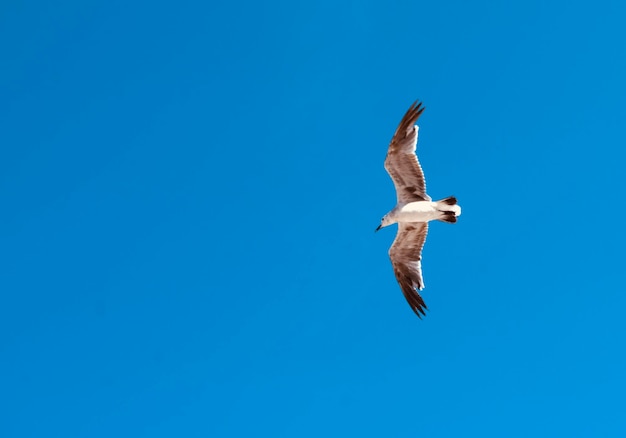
(420, 211)
(414, 209)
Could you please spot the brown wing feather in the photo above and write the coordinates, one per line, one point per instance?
(406, 255)
(401, 162)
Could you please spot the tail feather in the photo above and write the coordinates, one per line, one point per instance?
(451, 200)
(449, 209)
(448, 216)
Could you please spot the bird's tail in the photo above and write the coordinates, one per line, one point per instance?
(449, 209)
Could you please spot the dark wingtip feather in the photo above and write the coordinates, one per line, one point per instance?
(417, 108)
(414, 299)
(417, 310)
(409, 119)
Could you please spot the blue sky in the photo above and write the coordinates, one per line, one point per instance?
(189, 193)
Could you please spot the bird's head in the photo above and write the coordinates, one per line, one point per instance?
(385, 221)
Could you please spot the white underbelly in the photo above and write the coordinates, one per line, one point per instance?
(420, 211)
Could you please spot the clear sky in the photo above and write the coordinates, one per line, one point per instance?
(189, 192)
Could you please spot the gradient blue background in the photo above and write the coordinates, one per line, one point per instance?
(188, 197)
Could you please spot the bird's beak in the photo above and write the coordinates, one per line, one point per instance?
(379, 227)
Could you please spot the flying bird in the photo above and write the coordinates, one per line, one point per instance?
(414, 209)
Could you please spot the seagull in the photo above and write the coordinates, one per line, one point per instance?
(413, 211)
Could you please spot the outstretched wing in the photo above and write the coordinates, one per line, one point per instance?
(401, 162)
(406, 255)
